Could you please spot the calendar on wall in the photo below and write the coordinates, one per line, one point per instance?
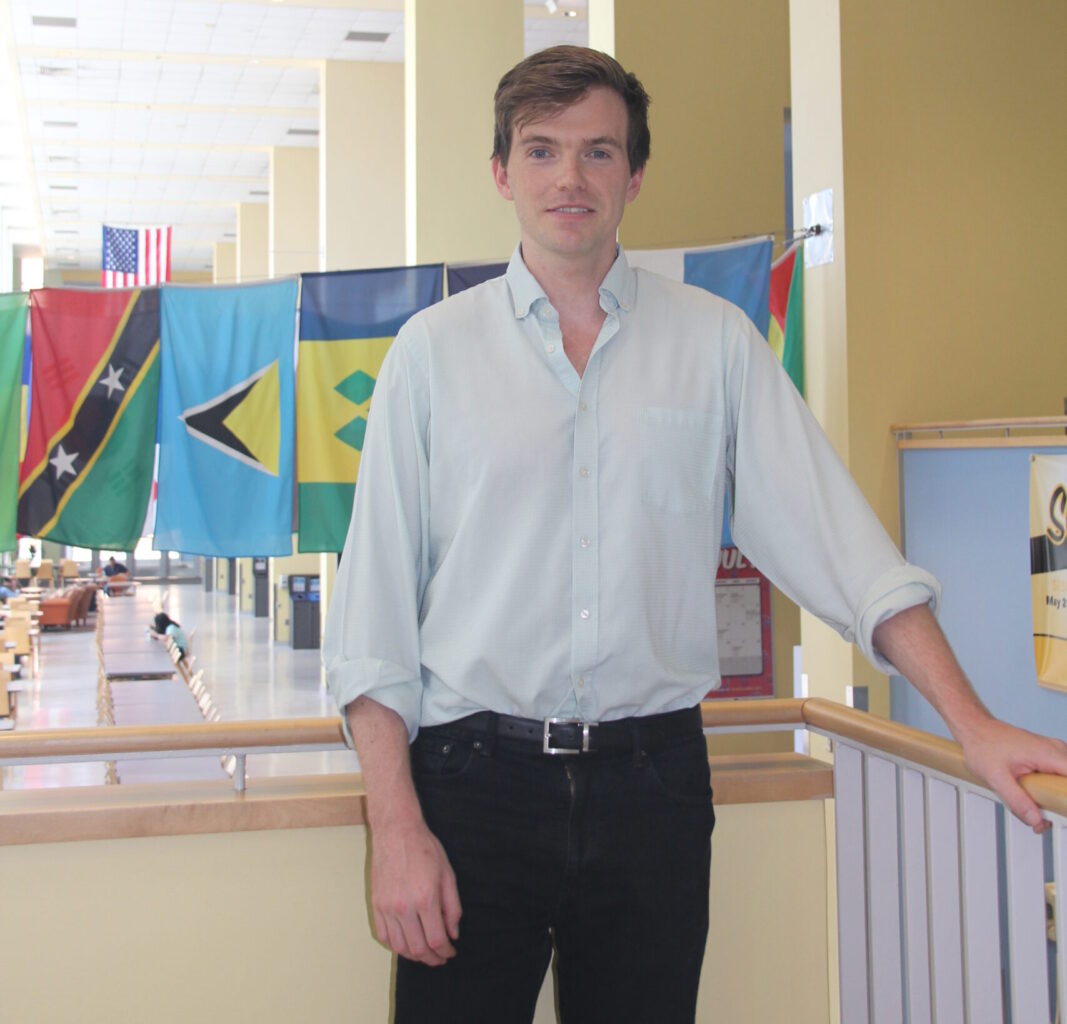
(743, 618)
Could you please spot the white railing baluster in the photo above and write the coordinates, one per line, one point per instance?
(981, 912)
(943, 872)
(883, 874)
(851, 884)
(916, 914)
(1027, 942)
(1059, 877)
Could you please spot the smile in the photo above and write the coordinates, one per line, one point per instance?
(571, 209)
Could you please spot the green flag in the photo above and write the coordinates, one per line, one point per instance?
(13, 310)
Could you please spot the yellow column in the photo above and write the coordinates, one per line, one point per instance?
(293, 221)
(224, 266)
(252, 242)
(361, 170)
(454, 56)
(719, 81)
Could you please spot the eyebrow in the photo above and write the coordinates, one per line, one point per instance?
(547, 140)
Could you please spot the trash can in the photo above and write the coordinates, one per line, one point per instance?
(261, 586)
(304, 595)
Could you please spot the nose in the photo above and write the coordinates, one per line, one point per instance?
(569, 172)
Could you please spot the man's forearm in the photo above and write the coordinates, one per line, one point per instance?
(913, 641)
(381, 740)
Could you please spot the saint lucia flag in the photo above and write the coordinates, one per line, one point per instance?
(226, 420)
(90, 446)
(348, 321)
(739, 273)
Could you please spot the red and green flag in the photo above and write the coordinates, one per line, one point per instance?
(13, 309)
(786, 332)
(87, 474)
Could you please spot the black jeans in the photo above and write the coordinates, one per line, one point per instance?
(605, 856)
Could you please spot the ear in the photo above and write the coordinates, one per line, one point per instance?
(500, 178)
(636, 180)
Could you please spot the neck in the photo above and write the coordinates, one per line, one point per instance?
(573, 287)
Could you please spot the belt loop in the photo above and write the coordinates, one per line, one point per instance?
(639, 754)
(487, 744)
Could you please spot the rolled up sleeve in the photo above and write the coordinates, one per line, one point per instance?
(370, 644)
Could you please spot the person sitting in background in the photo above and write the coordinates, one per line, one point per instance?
(9, 587)
(114, 568)
(164, 625)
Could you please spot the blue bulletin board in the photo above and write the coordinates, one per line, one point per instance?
(965, 517)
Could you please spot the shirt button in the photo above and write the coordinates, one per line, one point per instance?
(584, 613)
(584, 542)
(581, 682)
(550, 349)
(584, 471)
(583, 406)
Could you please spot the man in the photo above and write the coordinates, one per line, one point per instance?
(535, 537)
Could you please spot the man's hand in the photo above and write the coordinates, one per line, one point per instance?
(413, 888)
(995, 751)
(414, 895)
(1002, 754)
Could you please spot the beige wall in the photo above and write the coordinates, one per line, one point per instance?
(293, 227)
(361, 169)
(455, 54)
(273, 926)
(224, 264)
(252, 242)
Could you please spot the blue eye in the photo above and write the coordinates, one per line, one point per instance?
(539, 153)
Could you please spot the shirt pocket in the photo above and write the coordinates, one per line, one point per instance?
(679, 455)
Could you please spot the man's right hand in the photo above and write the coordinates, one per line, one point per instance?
(413, 893)
(413, 888)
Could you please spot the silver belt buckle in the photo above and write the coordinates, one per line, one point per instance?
(547, 747)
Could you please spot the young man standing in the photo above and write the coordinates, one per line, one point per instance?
(527, 596)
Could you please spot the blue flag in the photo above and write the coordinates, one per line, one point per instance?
(347, 322)
(226, 419)
(741, 274)
(462, 276)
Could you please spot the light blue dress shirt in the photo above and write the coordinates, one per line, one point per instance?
(538, 543)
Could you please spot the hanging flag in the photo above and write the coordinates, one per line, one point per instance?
(739, 273)
(1048, 567)
(786, 330)
(226, 420)
(348, 321)
(135, 256)
(13, 310)
(95, 394)
(462, 276)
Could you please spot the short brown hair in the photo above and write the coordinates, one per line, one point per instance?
(550, 80)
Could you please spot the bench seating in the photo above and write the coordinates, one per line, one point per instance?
(67, 608)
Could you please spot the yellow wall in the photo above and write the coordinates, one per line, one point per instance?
(273, 927)
(718, 74)
(76, 276)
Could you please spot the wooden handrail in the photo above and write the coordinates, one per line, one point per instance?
(902, 741)
(1024, 423)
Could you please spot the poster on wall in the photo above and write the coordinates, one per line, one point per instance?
(1048, 567)
(743, 617)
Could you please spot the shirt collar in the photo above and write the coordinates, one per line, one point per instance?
(616, 291)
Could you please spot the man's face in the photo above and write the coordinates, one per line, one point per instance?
(570, 180)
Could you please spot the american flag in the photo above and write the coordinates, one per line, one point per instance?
(135, 256)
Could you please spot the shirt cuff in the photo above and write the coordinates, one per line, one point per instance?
(905, 586)
(384, 682)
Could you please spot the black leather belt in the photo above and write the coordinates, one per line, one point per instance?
(570, 736)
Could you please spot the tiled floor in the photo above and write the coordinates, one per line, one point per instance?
(248, 676)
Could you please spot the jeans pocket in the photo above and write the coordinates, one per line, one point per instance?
(440, 756)
(680, 772)
(679, 456)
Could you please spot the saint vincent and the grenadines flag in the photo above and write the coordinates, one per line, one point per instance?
(348, 320)
(13, 315)
(226, 419)
(87, 472)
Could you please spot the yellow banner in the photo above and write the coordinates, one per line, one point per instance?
(1048, 567)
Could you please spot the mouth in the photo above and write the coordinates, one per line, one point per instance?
(570, 209)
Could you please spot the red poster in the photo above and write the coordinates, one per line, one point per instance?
(743, 617)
